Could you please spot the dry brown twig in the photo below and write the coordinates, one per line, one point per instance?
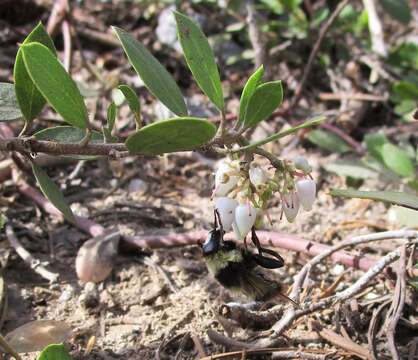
(256, 36)
(341, 341)
(324, 29)
(277, 353)
(371, 333)
(309, 307)
(398, 302)
(27, 257)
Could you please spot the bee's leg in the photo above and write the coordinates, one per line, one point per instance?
(245, 243)
(268, 262)
(215, 218)
(256, 242)
(218, 220)
(260, 249)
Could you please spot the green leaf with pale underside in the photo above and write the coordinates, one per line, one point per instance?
(131, 98)
(155, 77)
(29, 98)
(54, 83)
(69, 135)
(52, 192)
(398, 9)
(111, 116)
(9, 108)
(393, 197)
(178, 134)
(200, 59)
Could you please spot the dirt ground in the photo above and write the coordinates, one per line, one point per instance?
(157, 304)
(145, 308)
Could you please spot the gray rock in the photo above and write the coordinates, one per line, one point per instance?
(166, 30)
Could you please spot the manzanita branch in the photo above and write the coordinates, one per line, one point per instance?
(31, 145)
(310, 123)
(166, 240)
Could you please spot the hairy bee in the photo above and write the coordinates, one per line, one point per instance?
(238, 269)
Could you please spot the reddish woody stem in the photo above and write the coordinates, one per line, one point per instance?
(267, 238)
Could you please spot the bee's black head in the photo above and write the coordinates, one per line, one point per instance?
(213, 242)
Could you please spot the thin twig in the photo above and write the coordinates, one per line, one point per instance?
(358, 147)
(341, 341)
(31, 145)
(68, 45)
(34, 264)
(371, 333)
(198, 344)
(58, 12)
(397, 306)
(256, 36)
(324, 29)
(307, 308)
(6, 346)
(375, 28)
(357, 96)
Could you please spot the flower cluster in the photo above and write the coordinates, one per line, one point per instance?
(242, 192)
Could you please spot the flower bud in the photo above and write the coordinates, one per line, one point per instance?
(257, 176)
(302, 164)
(306, 189)
(224, 182)
(226, 209)
(291, 206)
(245, 215)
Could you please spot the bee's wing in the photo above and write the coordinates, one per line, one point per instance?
(256, 286)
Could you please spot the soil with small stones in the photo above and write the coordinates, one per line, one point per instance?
(155, 303)
(138, 311)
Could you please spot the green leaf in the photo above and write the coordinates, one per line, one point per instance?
(178, 134)
(131, 98)
(52, 192)
(133, 102)
(393, 157)
(405, 55)
(403, 217)
(397, 160)
(54, 352)
(328, 141)
(248, 91)
(111, 116)
(29, 98)
(398, 9)
(155, 77)
(54, 83)
(393, 197)
(374, 144)
(265, 99)
(200, 58)
(351, 168)
(404, 90)
(67, 135)
(9, 108)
